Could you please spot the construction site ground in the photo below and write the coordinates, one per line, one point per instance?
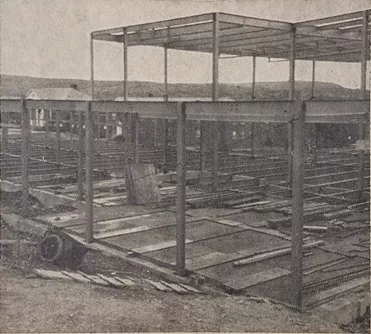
(34, 304)
(249, 216)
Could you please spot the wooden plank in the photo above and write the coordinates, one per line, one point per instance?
(77, 277)
(273, 254)
(257, 278)
(125, 281)
(333, 292)
(51, 274)
(176, 288)
(95, 279)
(159, 286)
(190, 288)
(211, 259)
(157, 246)
(112, 281)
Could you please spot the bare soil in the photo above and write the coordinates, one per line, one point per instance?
(38, 305)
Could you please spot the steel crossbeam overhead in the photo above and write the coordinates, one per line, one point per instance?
(339, 37)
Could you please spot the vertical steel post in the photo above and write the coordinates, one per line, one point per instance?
(58, 136)
(107, 125)
(215, 95)
(47, 117)
(361, 129)
(89, 173)
(136, 138)
(72, 117)
(297, 204)
(253, 97)
(80, 153)
(313, 87)
(181, 188)
(291, 97)
(4, 131)
(25, 155)
(125, 56)
(165, 153)
(92, 66)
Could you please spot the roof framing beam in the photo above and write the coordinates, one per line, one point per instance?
(331, 19)
(255, 22)
(158, 24)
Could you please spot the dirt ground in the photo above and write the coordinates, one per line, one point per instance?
(39, 305)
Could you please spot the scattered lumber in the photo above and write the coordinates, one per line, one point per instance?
(338, 214)
(273, 254)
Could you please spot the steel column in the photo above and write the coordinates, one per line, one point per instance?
(72, 116)
(253, 97)
(25, 155)
(297, 204)
(89, 174)
(136, 138)
(107, 125)
(165, 144)
(4, 131)
(291, 97)
(215, 95)
(313, 87)
(58, 136)
(80, 153)
(181, 189)
(125, 56)
(92, 66)
(361, 129)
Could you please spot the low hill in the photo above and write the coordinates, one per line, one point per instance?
(11, 85)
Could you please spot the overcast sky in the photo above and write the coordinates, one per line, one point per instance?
(50, 38)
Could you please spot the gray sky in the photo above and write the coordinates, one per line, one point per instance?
(50, 38)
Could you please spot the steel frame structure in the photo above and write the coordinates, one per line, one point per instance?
(343, 38)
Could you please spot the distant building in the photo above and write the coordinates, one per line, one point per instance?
(39, 116)
(172, 99)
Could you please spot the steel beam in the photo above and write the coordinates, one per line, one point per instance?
(331, 19)
(158, 24)
(181, 189)
(254, 22)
